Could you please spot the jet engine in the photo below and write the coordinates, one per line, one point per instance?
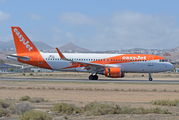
(114, 72)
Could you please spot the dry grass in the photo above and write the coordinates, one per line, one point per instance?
(96, 108)
(165, 102)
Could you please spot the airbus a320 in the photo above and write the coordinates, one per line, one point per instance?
(110, 65)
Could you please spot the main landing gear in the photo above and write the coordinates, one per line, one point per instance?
(150, 77)
(93, 77)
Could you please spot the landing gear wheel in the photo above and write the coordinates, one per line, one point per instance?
(150, 79)
(95, 77)
(91, 77)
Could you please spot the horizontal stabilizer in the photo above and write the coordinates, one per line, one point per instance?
(24, 58)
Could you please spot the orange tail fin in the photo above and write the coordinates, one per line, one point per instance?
(26, 50)
(22, 42)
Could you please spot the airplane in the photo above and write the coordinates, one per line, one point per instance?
(110, 65)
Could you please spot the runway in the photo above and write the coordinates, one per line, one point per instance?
(95, 81)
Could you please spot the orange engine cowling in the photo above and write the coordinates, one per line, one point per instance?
(114, 72)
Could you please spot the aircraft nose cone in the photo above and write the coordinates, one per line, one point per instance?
(170, 66)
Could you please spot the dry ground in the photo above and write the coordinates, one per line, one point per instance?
(133, 95)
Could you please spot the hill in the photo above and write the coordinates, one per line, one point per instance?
(71, 47)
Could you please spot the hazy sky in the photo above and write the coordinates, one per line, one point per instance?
(94, 24)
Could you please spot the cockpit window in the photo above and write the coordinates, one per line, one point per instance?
(162, 60)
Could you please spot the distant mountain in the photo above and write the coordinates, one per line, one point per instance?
(42, 45)
(140, 49)
(10, 44)
(72, 47)
(137, 49)
(176, 49)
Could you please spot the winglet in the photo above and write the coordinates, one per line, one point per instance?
(61, 55)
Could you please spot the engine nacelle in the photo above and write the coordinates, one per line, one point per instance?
(114, 72)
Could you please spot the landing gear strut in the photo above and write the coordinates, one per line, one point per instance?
(150, 77)
(93, 77)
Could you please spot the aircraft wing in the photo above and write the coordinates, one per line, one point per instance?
(87, 65)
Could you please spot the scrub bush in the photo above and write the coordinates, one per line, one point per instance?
(65, 108)
(3, 112)
(25, 98)
(23, 107)
(35, 115)
(36, 100)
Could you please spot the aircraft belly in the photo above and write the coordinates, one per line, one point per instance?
(56, 65)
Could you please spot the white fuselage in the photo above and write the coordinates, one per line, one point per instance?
(56, 63)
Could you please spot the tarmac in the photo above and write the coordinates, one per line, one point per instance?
(94, 81)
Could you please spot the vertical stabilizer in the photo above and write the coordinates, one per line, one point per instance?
(22, 42)
(26, 50)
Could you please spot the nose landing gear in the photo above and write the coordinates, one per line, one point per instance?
(150, 77)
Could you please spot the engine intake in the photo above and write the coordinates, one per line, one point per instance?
(114, 72)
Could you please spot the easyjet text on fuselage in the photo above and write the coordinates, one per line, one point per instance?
(134, 58)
